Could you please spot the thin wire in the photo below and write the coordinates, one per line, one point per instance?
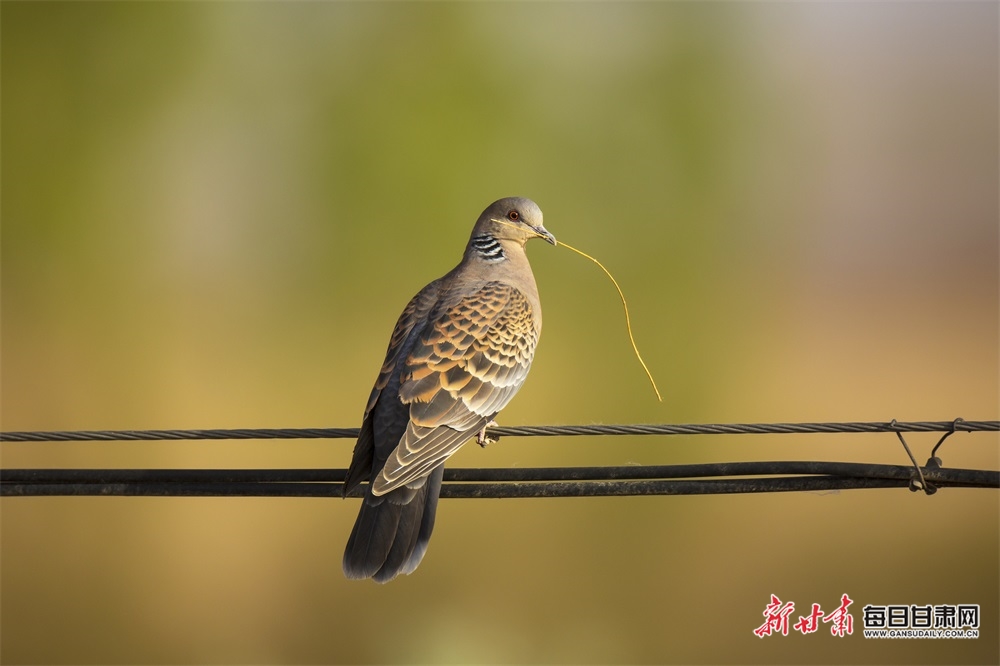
(516, 431)
(944, 437)
(922, 484)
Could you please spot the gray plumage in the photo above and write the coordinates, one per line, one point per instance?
(458, 354)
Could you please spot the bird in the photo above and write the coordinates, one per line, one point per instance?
(461, 349)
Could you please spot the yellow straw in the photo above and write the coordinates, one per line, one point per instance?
(628, 321)
(621, 294)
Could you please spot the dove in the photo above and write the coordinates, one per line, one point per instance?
(459, 352)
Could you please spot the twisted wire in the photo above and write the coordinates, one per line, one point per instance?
(957, 425)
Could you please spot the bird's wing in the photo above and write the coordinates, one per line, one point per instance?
(413, 316)
(463, 370)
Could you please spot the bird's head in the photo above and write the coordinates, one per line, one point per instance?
(513, 218)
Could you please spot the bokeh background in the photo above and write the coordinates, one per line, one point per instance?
(212, 214)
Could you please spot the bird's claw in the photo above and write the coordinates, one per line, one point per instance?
(484, 440)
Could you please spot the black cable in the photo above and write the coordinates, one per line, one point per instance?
(470, 490)
(481, 483)
(501, 475)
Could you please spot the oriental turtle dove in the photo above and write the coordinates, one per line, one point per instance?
(459, 352)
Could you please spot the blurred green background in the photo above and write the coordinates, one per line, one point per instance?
(212, 214)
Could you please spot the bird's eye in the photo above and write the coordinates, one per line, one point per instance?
(513, 215)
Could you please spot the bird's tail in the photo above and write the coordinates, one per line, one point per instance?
(391, 533)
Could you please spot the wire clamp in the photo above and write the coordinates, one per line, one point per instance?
(934, 461)
(917, 481)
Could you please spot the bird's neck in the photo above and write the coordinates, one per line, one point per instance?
(487, 248)
(491, 259)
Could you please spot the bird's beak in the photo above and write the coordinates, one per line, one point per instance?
(542, 232)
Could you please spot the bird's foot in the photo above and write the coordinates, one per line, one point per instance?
(484, 440)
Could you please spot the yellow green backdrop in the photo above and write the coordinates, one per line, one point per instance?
(212, 214)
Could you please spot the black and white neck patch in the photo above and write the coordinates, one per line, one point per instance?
(488, 248)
